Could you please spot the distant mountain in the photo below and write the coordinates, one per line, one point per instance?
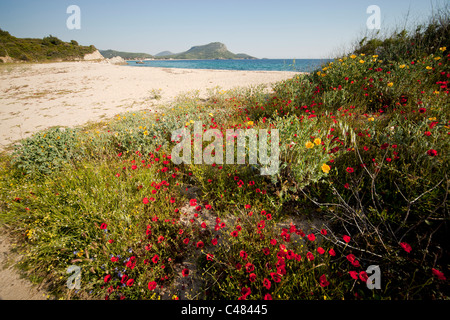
(125, 55)
(214, 50)
(164, 53)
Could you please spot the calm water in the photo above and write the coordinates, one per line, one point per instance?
(297, 65)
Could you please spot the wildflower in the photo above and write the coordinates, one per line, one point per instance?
(208, 207)
(247, 206)
(267, 296)
(103, 226)
(234, 233)
(311, 237)
(323, 232)
(200, 244)
(155, 259)
(346, 238)
(350, 170)
(249, 267)
(252, 277)
(245, 292)
(443, 49)
(310, 256)
(390, 84)
(432, 153)
(250, 123)
(405, 246)
(325, 168)
(275, 277)
(353, 56)
(193, 202)
(363, 276)
(243, 254)
(401, 66)
(320, 250)
(332, 252)
(266, 283)
(152, 285)
(353, 274)
(323, 281)
(130, 282)
(429, 68)
(210, 257)
(317, 141)
(145, 201)
(107, 278)
(440, 275)
(427, 133)
(361, 61)
(309, 145)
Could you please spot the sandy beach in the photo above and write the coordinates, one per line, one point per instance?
(38, 96)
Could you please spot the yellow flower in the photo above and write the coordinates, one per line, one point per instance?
(390, 84)
(353, 56)
(432, 119)
(375, 56)
(436, 92)
(145, 133)
(211, 115)
(361, 61)
(443, 49)
(309, 145)
(437, 58)
(401, 66)
(325, 168)
(429, 68)
(317, 141)
(250, 123)
(371, 119)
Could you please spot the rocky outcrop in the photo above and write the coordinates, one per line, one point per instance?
(96, 55)
(6, 59)
(116, 60)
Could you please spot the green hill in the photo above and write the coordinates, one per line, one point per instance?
(46, 49)
(125, 55)
(214, 50)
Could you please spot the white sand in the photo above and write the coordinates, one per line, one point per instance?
(38, 96)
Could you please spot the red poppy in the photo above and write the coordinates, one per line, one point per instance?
(214, 241)
(246, 291)
(323, 232)
(130, 282)
(186, 241)
(103, 226)
(185, 272)
(234, 233)
(208, 207)
(266, 283)
(266, 251)
(353, 274)
(363, 276)
(210, 257)
(311, 237)
(145, 200)
(267, 296)
(440, 275)
(432, 153)
(350, 170)
(323, 281)
(405, 246)
(332, 252)
(243, 254)
(152, 285)
(249, 267)
(275, 277)
(273, 242)
(193, 202)
(200, 244)
(346, 238)
(252, 277)
(320, 250)
(310, 256)
(107, 278)
(155, 259)
(247, 206)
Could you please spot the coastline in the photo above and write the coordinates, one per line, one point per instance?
(38, 96)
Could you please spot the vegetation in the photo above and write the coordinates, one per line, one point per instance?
(125, 55)
(36, 50)
(363, 181)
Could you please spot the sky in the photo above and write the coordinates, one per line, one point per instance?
(275, 29)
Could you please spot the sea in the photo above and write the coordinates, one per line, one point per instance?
(294, 65)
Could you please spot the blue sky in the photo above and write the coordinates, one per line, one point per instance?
(265, 29)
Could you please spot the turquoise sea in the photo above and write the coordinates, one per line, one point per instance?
(295, 65)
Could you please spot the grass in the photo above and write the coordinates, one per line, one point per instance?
(363, 181)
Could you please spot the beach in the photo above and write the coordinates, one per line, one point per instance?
(35, 97)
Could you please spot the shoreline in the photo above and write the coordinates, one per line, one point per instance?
(42, 95)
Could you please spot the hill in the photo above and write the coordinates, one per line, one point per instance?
(164, 53)
(214, 50)
(125, 55)
(46, 49)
